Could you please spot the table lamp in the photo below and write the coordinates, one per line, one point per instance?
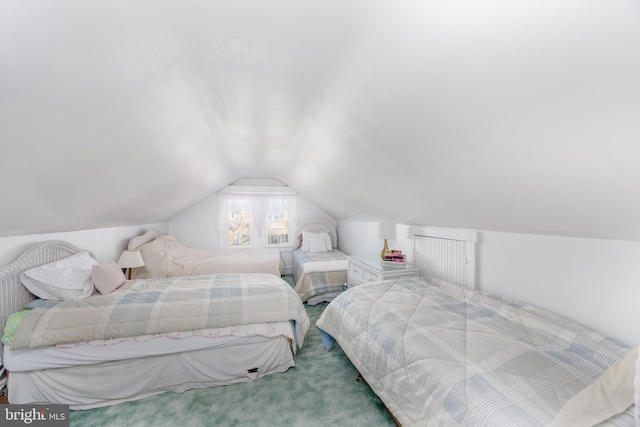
(129, 260)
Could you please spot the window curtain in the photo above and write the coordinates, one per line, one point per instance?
(259, 204)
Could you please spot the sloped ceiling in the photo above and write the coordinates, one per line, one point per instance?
(494, 115)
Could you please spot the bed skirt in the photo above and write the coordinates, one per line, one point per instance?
(104, 384)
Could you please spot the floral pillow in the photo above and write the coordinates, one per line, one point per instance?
(65, 279)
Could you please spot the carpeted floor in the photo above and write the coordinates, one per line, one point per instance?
(319, 391)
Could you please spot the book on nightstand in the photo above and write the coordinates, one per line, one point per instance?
(393, 257)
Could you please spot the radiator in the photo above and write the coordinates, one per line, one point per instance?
(447, 259)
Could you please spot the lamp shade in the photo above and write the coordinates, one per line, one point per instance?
(386, 230)
(130, 259)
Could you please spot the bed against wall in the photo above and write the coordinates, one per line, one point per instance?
(319, 267)
(165, 256)
(140, 337)
(444, 352)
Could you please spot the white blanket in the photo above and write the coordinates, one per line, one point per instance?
(165, 256)
(455, 357)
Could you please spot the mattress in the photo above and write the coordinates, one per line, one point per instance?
(99, 351)
(438, 351)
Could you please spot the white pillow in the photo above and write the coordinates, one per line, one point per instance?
(318, 244)
(307, 236)
(65, 279)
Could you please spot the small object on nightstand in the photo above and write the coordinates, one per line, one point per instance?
(392, 257)
(385, 249)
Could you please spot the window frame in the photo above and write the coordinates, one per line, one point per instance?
(259, 202)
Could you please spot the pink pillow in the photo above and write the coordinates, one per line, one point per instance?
(107, 277)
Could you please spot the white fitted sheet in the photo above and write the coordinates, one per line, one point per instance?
(99, 351)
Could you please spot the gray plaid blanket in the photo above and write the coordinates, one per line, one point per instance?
(152, 306)
(438, 354)
(316, 273)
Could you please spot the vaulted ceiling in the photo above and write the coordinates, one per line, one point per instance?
(519, 116)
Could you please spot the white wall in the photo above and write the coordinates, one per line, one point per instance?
(591, 281)
(197, 226)
(106, 243)
(356, 237)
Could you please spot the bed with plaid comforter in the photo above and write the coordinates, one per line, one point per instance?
(438, 354)
(319, 276)
(154, 306)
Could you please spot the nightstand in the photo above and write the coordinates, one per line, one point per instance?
(363, 269)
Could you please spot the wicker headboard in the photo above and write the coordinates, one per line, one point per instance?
(13, 295)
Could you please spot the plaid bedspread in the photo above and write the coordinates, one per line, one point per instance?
(441, 355)
(316, 274)
(150, 306)
(313, 285)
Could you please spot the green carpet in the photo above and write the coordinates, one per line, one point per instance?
(319, 391)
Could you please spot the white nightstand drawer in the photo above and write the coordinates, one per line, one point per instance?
(356, 272)
(363, 269)
(351, 282)
(370, 277)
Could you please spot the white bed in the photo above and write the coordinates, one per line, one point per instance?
(127, 365)
(165, 256)
(319, 268)
(444, 354)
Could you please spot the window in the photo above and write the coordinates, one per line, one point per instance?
(277, 223)
(257, 217)
(239, 224)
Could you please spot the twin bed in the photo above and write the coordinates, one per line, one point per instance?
(319, 267)
(443, 354)
(144, 337)
(165, 256)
